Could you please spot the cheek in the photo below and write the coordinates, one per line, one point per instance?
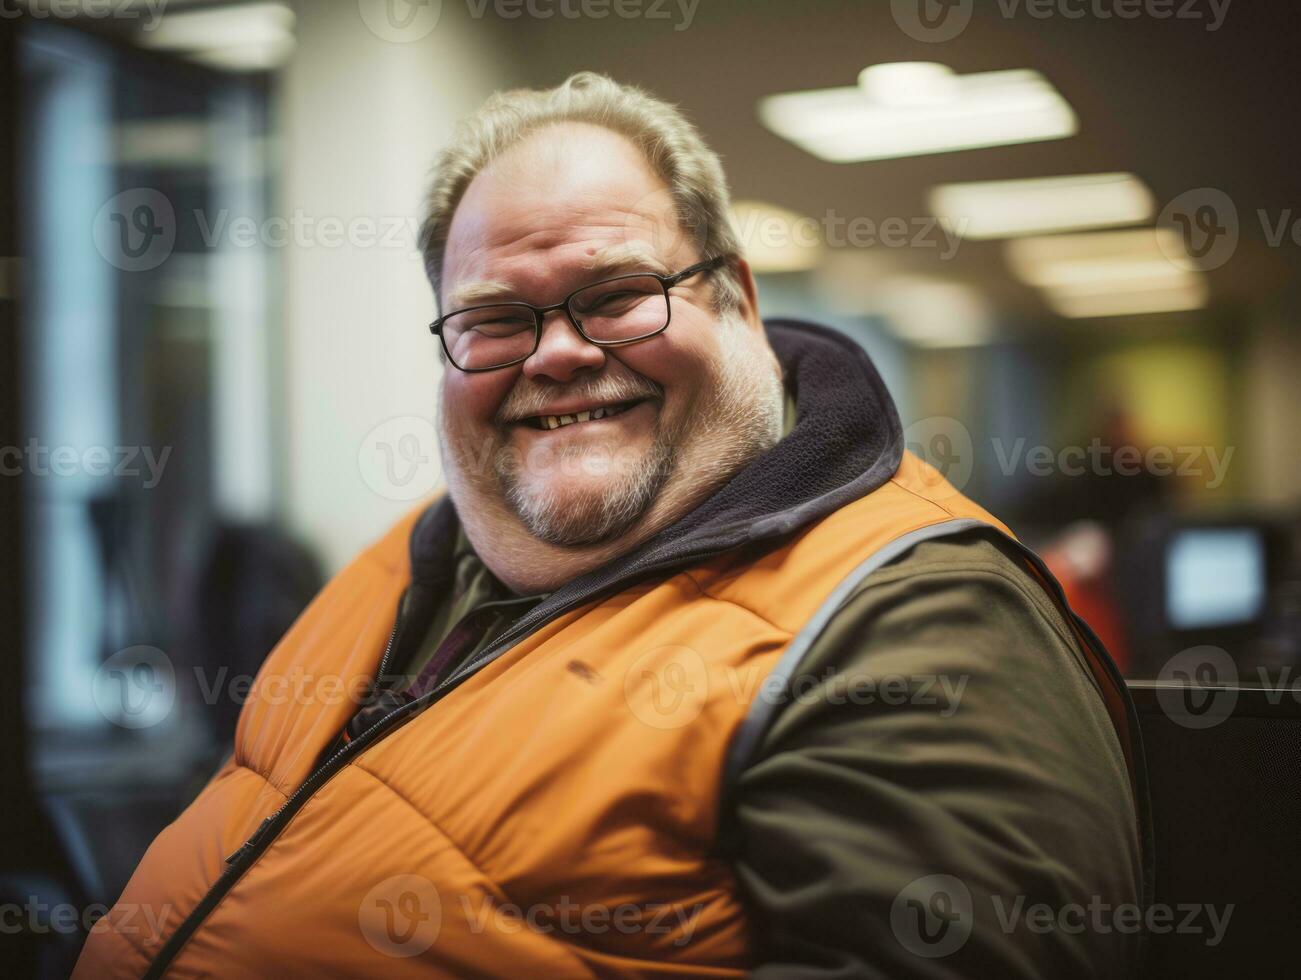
(471, 400)
(676, 361)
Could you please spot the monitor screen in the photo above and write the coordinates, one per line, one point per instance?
(1214, 577)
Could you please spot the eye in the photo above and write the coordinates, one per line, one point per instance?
(612, 300)
(504, 327)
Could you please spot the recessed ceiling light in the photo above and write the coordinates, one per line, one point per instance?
(1007, 208)
(912, 108)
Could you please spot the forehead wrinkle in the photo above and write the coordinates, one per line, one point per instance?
(608, 260)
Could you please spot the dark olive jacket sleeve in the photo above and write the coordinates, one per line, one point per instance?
(941, 794)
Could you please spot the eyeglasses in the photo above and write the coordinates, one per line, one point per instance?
(610, 313)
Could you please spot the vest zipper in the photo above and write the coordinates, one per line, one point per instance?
(248, 852)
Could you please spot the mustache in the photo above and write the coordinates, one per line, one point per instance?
(529, 398)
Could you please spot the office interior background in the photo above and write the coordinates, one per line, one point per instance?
(1067, 232)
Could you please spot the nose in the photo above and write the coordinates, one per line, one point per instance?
(562, 352)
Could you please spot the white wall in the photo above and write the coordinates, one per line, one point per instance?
(362, 118)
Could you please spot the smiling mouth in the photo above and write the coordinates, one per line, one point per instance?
(548, 422)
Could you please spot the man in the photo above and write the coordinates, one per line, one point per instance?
(694, 671)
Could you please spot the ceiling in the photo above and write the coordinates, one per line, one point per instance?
(1179, 104)
(1182, 106)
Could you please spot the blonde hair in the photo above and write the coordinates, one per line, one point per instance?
(672, 147)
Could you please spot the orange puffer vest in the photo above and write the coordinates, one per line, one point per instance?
(553, 814)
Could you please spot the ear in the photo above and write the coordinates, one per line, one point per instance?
(749, 308)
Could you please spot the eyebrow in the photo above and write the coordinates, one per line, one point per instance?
(613, 260)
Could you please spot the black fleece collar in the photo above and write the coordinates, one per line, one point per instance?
(847, 441)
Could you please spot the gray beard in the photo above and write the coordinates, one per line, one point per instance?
(595, 517)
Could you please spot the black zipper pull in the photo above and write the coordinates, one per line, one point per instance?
(252, 841)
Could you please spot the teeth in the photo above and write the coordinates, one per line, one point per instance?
(556, 421)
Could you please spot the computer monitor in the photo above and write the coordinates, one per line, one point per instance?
(1215, 577)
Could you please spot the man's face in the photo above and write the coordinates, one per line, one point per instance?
(568, 206)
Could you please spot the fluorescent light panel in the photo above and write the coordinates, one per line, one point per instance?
(878, 121)
(1008, 208)
(1105, 274)
(1190, 296)
(242, 37)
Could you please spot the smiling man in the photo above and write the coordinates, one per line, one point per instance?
(693, 671)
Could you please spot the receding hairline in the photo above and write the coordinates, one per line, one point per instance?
(666, 141)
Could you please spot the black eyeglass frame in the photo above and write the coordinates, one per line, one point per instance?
(540, 312)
